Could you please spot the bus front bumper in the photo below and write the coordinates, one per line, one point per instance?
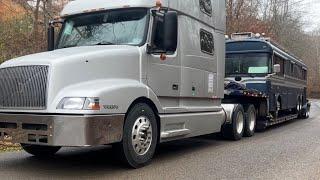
(61, 130)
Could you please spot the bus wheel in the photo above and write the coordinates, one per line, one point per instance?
(276, 113)
(235, 130)
(299, 105)
(250, 121)
(40, 151)
(140, 136)
(306, 113)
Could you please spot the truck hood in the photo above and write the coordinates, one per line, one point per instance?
(60, 55)
(73, 67)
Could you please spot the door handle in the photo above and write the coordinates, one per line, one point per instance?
(175, 87)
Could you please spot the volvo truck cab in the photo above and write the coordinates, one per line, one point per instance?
(131, 73)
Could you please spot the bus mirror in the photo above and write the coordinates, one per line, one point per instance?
(170, 31)
(276, 68)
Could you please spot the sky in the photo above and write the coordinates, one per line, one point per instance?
(311, 8)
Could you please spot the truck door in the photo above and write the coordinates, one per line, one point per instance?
(164, 67)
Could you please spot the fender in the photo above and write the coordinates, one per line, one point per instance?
(116, 95)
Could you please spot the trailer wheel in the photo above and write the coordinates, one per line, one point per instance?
(305, 114)
(235, 130)
(40, 151)
(250, 120)
(140, 136)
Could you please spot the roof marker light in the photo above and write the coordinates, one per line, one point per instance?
(159, 3)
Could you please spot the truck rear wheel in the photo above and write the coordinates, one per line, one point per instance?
(40, 151)
(140, 136)
(235, 130)
(250, 120)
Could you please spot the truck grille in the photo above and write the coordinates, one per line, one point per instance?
(23, 87)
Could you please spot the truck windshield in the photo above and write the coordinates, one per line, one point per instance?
(248, 64)
(116, 27)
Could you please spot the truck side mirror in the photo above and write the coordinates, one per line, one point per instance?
(164, 33)
(170, 31)
(276, 68)
(50, 38)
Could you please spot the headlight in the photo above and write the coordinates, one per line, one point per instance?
(79, 103)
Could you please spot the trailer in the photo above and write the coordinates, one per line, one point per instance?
(252, 104)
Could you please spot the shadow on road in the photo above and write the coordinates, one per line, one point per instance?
(82, 162)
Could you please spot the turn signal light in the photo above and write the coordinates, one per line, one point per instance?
(163, 57)
(94, 106)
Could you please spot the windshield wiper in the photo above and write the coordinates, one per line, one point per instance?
(68, 46)
(104, 43)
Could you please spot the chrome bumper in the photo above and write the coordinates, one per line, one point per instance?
(61, 130)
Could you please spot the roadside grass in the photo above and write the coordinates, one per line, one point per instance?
(9, 147)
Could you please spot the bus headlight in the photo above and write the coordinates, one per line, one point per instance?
(79, 103)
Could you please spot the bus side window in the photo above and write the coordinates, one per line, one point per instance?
(291, 69)
(304, 74)
(296, 71)
(280, 61)
(287, 67)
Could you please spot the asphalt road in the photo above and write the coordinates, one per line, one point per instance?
(287, 151)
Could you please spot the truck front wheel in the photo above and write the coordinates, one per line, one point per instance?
(140, 136)
(235, 130)
(40, 151)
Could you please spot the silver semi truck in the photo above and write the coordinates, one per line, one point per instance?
(130, 73)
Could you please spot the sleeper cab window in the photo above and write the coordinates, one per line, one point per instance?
(206, 7)
(206, 42)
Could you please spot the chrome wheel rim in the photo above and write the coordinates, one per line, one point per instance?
(240, 122)
(141, 135)
(252, 121)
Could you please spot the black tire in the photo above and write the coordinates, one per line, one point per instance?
(231, 131)
(278, 108)
(40, 151)
(305, 114)
(250, 120)
(299, 106)
(128, 153)
(261, 125)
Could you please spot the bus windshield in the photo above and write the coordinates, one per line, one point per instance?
(116, 27)
(248, 64)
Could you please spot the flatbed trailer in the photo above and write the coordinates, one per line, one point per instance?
(237, 94)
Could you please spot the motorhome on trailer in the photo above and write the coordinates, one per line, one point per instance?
(260, 64)
(131, 73)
